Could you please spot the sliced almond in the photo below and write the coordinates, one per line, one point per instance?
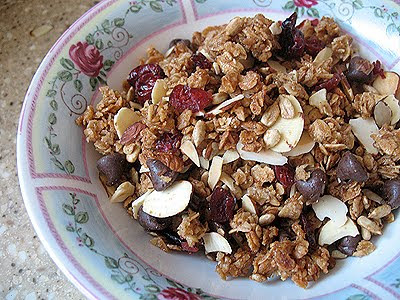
(215, 171)
(305, 145)
(330, 232)
(228, 181)
(137, 204)
(143, 169)
(390, 85)
(204, 163)
(124, 118)
(276, 66)
(275, 28)
(217, 68)
(362, 129)
(248, 205)
(322, 56)
(220, 108)
(190, 151)
(266, 219)
(230, 156)
(264, 156)
(170, 202)
(382, 113)
(169, 51)
(331, 207)
(214, 242)
(271, 138)
(159, 91)
(394, 107)
(290, 129)
(199, 132)
(320, 101)
(123, 191)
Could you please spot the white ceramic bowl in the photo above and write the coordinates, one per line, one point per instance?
(100, 249)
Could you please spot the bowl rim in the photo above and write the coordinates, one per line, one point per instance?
(24, 179)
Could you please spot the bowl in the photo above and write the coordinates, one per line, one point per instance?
(95, 243)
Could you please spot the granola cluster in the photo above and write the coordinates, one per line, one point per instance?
(241, 142)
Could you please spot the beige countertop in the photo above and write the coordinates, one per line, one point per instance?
(27, 31)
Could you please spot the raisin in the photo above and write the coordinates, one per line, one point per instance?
(313, 45)
(330, 84)
(183, 97)
(143, 79)
(199, 60)
(185, 247)
(220, 205)
(291, 39)
(169, 142)
(285, 175)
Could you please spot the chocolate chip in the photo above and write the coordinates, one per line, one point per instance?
(349, 168)
(112, 166)
(314, 187)
(391, 193)
(348, 244)
(360, 70)
(161, 176)
(151, 223)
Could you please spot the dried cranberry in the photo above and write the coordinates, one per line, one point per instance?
(330, 84)
(184, 97)
(199, 60)
(185, 247)
(169, 142)
(314, 22)
(221, 205)
(378, 70)
(143, 79)
(291, 39)
(314, 45)
(285, 175)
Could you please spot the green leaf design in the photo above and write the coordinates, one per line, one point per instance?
(358, 297)
(55, 149)
(67, 63)
(102, 81)
(107, 65)
(119, 22)
(93, 82)
(109, 44)
(51, 93)
(156, 6)
(378, 12)
(64, 75)
(90, 39)
(135, 8)
(152, 288)
(70, 228)
(175, 284)
(52, 119)
(78, 85)
(99, 44)
(57, 163)
(148, 297)
(289, 5)
(118, 278)
(110, 262)
(53, 104)
(106, 26)
(357, 4)
(201, 1)
(82, 217)
(128, 278)
(313, 12)
(302, 10)
(88, 241)
(69, 167)
(68, 209)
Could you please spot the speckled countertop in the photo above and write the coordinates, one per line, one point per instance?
(27, 31)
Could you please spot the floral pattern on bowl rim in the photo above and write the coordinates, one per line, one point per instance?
(88, 55)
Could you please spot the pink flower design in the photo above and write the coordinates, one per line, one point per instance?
(176, 294)
(306, 3)
(87, 58)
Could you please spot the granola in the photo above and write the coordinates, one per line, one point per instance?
(266, 155)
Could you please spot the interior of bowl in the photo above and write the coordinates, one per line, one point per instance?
(100, 248)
